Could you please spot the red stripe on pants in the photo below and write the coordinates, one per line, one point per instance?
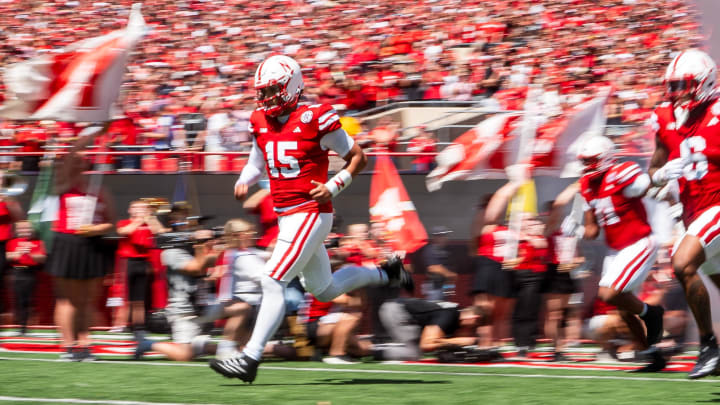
(287, 252)
(633, 263)
(309, 227)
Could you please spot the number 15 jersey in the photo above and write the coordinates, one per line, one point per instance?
(694, 139)
(296, 152)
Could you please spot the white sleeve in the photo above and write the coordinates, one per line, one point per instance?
(638, 187)
(337, 141)
(252, 172)
(249, 267)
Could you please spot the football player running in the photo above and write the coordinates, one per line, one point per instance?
(613, 193)
(291, 143)
(687, 149)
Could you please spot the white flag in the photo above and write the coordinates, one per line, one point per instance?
(80, 83)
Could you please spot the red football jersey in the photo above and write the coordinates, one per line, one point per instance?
(700, 133)
(623, 219)
(294, 156)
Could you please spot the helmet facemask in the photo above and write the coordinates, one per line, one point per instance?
(278, 85)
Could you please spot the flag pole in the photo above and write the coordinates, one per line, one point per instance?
(528, 132)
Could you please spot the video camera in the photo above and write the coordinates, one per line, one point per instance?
(185, 239)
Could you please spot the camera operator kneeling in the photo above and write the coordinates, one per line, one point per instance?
(418, 326)
(188, 252)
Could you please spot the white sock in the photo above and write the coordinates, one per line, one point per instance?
(198, 344)
(351, 278)
(225, 349)
(644, 310)
(270, 315)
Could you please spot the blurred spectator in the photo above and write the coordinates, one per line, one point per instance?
(558, 285)
(422, 142)
(440, 273)
(385, 134)
(260, 203)
(240, 290)
(10, 212)
(79, 258)
(529, 267)
(26, 255)
(332, 326)
(138, 234)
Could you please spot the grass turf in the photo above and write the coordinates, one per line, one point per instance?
(313, 383)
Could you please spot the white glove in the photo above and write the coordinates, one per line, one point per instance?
(676, 211)
(570, 227)
(671, 171)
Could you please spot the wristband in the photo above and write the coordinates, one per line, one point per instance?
(339, 182)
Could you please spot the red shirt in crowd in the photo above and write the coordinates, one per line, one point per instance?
(268, 222)
(36, 248)
(6, 222)
(137, 244)
(318, 309)
(533, 259)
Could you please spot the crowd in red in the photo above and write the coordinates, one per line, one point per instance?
(189, 84)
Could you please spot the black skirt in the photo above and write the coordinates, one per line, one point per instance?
(80, 258)
(485, 268)
(558, 282)
(492, 279)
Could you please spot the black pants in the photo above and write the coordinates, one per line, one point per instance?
(527, 307)
(24, 288)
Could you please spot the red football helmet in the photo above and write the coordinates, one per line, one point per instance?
(279, 84)
(597, 155)
(690, 77)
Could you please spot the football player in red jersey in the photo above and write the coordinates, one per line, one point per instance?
(291, 142)
(687, 149)
(613, 194)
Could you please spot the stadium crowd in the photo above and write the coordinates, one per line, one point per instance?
(189, 85)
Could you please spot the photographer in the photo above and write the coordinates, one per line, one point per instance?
(420, 326)
(134, 248)
(188, 252)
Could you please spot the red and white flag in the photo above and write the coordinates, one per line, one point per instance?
(391, 206)
(480, 153)
(558, 141)
(80, 83)
(507, 139)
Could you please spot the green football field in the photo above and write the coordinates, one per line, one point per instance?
(36, 378)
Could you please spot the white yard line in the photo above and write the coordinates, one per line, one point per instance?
(412, 372)
(87, 401)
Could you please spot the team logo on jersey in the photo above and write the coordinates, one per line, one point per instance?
(297, 130)
(713, 121)
(306, 117)
(671, 126)
(263, 130)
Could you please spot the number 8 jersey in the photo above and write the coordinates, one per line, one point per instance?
(616, 202)
(693, 139)
(296, 152)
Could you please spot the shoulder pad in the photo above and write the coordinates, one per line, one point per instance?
(620, 175)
